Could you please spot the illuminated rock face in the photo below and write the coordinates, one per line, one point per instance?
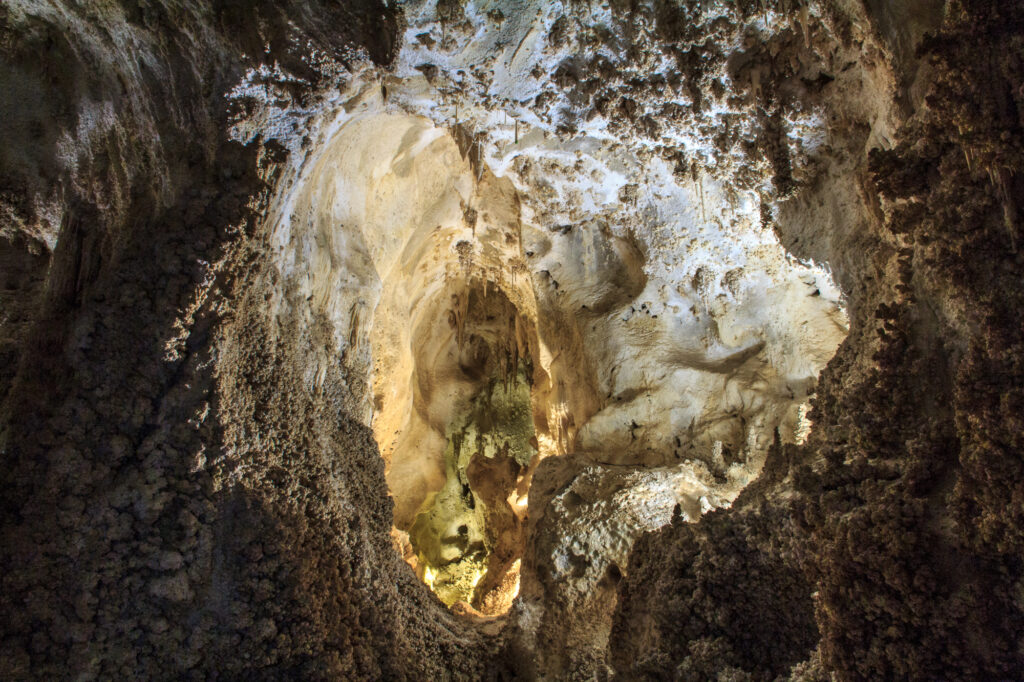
(654, 327)
(469, 534)
(415, 258)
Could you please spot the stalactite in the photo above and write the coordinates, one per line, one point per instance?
(805, 23)
(700, 190)
(458, 314)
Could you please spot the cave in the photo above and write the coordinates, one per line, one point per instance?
(494, 340)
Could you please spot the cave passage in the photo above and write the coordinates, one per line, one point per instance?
(467, 538)
(483, 334)
(416, 258)
(489, 340)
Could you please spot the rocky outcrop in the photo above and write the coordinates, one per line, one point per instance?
(724, 596)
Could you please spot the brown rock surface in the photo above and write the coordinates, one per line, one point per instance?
(257, 260)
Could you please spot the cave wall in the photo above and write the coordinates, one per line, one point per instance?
(182, 501)
(899, 515)
(177, 505)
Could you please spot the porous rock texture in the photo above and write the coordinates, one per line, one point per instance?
(177, 505)
(899, 514)
(261, 260)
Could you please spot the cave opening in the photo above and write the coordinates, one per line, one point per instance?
(491, 319)
(480, 339)
(466, 537)
(439, 310)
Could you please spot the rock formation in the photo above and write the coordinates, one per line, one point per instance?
(479, 339)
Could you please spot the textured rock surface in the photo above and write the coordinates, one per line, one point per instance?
(726, 595)
(258, 263)
(902, 505)
(177, 504)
